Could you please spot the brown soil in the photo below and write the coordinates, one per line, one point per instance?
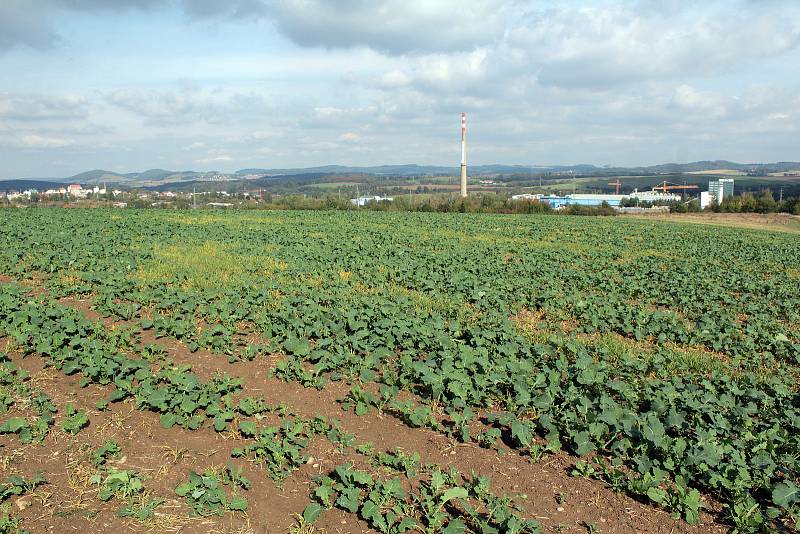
(67, 503)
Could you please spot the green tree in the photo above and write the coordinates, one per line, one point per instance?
(765, 203)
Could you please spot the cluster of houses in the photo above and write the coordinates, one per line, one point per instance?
(72, 190)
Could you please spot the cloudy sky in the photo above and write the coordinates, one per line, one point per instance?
(127, 85)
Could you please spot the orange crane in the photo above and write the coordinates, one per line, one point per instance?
(617, 184)
(669, 186)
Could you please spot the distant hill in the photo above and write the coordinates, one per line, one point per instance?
(152, 174)
(156, 177)
(497, 168)
(265, 181)
(94, 176)
(395, 170)
(404, 170)
(698, 166)
(22, 185)
(135, 178)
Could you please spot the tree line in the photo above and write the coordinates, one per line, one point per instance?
(764, 202)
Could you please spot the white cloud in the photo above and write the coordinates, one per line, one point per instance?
(710, 104)
(349, 137)
(197, 145)
(392, 26)
(32, 107)
(394, 78)
(221, 158)
(611, 45)
(328, 112)
(261, 135)
(169, 108)
(38, 141)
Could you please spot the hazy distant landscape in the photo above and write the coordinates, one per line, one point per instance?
(392, 178)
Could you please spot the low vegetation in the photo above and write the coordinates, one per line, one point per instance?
(661, 359)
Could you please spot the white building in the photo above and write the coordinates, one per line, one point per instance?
(718, 190)
(721, 189)
(363, 201)
(654, 196)
(53, 192)
(76, 191)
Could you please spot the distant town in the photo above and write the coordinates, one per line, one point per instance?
(557, 190)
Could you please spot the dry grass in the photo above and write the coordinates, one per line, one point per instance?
(162, 520)
(217, 219)
(7, 460)
(210, 264)
(774, 222)
(534, 325)
(301, 526)
(720, 172)
(118, 421)
(530, 322)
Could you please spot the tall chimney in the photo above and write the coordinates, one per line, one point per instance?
(463, 154)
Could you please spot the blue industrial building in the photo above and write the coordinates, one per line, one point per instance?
(574, 199)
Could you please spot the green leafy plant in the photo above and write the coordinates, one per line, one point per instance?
(113, 482)
(205, 493)
(583, 469)
(109, 449)
(359, 400)
(9, 524)
(386, 506)
(366, 448)
(141, 511)
(75, 420)
(28, 430)
(401, 461)
(17, 485)
(680, 500)
(280, 449)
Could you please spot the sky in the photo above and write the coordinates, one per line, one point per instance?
(128, 85)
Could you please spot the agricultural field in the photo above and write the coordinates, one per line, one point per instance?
(310, 372)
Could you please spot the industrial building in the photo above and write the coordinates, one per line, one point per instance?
(574, 199)
(579, 199)
(363, 201)
(654, 196)
(718, 190)
(721, 189)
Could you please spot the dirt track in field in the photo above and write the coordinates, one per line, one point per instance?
(777, 222)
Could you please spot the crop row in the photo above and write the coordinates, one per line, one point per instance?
(727, 293)
(76, 345)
